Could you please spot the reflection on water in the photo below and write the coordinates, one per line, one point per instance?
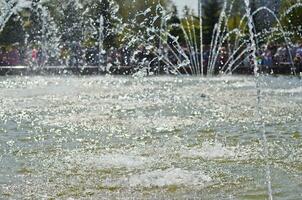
(159, 138)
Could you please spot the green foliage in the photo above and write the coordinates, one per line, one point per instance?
(71, 24)
(79, 20)
(13, 32)
(292, 20)
(124, 20)
(94, 12)
(142, 26)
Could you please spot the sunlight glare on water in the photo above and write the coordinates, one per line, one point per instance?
(157, 137)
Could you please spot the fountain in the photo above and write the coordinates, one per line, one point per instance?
(8, 8)
(190, 61)
(146, 136)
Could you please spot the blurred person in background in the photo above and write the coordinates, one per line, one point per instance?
(298, 58)
(3, 56)
(13, 55)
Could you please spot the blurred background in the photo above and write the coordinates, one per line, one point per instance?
(57, 31)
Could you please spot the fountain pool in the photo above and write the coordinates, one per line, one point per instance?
(149, 138)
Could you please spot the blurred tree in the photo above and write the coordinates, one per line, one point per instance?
(235, 14)
(74, 18)
(71, 23)
(292, 18)
(174, 28)
(34, 28)
(174, 17)
(102, 16)
(186, 12)
(262, 20)
(133, 8)
(143, 20)
(13, 32)
(211, 13)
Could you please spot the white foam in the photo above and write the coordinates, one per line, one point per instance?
(285, 91)
(169, 177)
(121, 160)
(109, 161)
(209, 151)
(244, 84)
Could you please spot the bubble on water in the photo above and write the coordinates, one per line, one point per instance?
(10, 143)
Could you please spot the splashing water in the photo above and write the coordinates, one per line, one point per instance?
(171, 58)
(156, 137)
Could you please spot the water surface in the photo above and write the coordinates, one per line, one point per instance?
(151, 138)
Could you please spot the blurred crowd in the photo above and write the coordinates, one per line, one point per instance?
(10, 56)
(272, 56)
(15, 55)
(74, 55)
